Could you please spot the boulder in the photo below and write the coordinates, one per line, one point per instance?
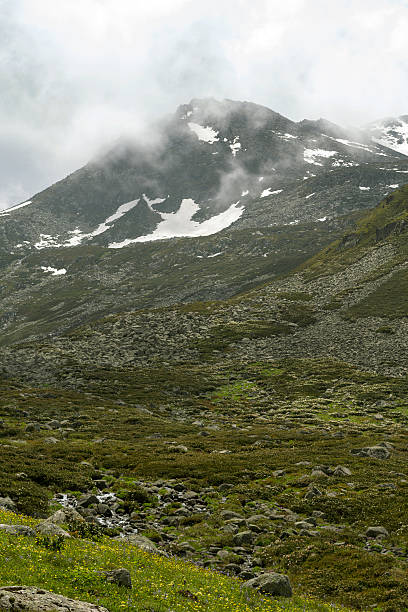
(17, 530)
(54, 424)
(304, 525)
(65, 516)
(32, 427)
(121, 577)
(39, 600)
(271, 584)
(243, 538)
(7, 503)
(51, 529)
(229, 514)
(340, 470)
(88, 500)
(374, 532)
(313, 492)
(101, 484)
(376, 452)
(141, 542)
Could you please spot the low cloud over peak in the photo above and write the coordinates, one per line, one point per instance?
(76, 76)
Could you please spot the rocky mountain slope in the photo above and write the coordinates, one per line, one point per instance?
(261, 433)
(246, 195)
(231, 433)
(209, 166)
(391, 132)
(348, 301)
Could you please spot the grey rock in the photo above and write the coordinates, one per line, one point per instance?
(378, 452)
(17, 530)
(303, 525)
(374, 532)
(7, 504)
(246, 575)
(104, 510)
(141, 542)
(88, 500)
(121, 577)
(271, 584)
(54, 424)
(63, 516)
(242, 538)
(32, 427)
(39, 600)
(256, 518)
(51, 529)
(313, 492)
(319, 474)
(232, 568)
(229, 514)
(340, 470)
(223, 554)
(101, 484)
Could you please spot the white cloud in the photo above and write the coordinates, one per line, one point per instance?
(75, 75)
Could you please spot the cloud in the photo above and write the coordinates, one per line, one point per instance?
(77, 75)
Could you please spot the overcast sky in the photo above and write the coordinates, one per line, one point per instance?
(76, 74)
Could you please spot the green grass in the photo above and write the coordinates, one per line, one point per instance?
(159, 584)
(284, 412)
(389, 300)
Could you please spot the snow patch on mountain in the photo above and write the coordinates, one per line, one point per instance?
(77, 236)
(47, 241)
(309, 155)
(392, 134)
(180, 224)
(285, 136)
(204, 133)
(7, 211)
(54, 271)
(103, 227)
(268, 192)
(235, 146)
(151, 203)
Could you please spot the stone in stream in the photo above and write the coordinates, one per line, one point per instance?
(40, 600)
(88, 500)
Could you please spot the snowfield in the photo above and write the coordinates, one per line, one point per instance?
(180, 224)
(309, 155)
(206, 134)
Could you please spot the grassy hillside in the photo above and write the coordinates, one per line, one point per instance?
(158, 584)
(247, 439)
(266, 432)
(388, 220)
